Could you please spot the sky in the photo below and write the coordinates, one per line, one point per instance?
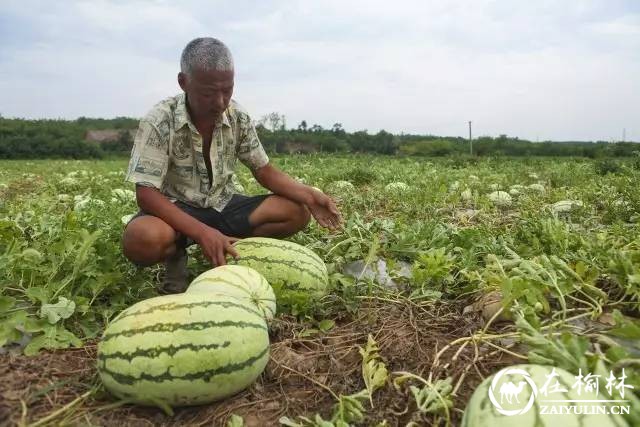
(540, 70)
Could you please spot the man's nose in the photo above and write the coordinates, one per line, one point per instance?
(219, 102)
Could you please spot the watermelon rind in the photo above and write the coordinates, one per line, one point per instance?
(240, 282)
(297, 275)
(184, 349)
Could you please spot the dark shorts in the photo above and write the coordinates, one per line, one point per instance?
(232, 221)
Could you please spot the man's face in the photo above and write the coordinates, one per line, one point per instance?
(208, 92)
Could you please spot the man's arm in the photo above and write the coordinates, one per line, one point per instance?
(252, 154)
(282, 184)
(321, 206)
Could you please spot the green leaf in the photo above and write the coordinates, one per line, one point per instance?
(305, 422)
(90, 327)
(616, 353)
(82, 305)
(9, 230)
(625, 328)
(433, 398)
(326, 325)
(349, 409)
(53, 338)
(6, 302)
(374, 371)
(8, 333)
(38, 294)
(235, 421)
(308, 332)
(286, 421)
(31, 255)
(41, 341)
(63, 309)
(567, 352)
(32, 325)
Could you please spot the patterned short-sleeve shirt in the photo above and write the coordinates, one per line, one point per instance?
(168, 153)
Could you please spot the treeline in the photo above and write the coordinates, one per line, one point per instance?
(434, 146)
(513, 146)
(29, 139)
(20, 139)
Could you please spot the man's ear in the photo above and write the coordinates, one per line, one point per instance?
(182, 81)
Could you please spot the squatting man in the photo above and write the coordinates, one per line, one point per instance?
(183, 161)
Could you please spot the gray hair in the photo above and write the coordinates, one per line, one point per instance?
(205, 53)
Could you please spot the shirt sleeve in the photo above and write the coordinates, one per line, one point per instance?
(250, 150)
(149, 157)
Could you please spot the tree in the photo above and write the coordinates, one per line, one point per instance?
(303, 126)
(337, 129)
(273, 121)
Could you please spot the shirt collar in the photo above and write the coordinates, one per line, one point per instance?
(181, 115)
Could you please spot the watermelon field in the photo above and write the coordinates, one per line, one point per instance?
(445, 271)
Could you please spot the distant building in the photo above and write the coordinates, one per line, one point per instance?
(291, 147)
(107, 135)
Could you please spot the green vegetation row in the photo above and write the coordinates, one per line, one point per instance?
(31, 139)
(562, 259)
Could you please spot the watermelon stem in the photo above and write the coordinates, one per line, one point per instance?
(66, 407)
(168, 410)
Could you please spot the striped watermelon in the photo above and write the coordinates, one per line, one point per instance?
(184, 349)
(481, 411)
(240, 282)
(296, 273)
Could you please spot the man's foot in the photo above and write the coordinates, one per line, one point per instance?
(176, 273)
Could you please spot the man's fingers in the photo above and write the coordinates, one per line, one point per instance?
(330, 224)
(212, 259)
(220, 256)
(333, 209)
(232, 251)
(328, 216)
(323, 221)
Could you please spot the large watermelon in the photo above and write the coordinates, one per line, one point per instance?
(240, 282)
(296, 273)
(482, 412)
(184, 349)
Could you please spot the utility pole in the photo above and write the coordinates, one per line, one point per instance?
(624, 134)
(470, 140)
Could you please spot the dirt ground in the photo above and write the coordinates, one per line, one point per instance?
(62, 387)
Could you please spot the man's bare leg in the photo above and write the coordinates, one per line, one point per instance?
(279, 217)
(147, 240)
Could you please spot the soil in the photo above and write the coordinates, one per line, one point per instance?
(62, 387)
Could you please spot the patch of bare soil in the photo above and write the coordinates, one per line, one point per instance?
(302, 377)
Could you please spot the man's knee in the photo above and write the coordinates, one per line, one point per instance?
(298, 218)
(147, 241)
(302, 217)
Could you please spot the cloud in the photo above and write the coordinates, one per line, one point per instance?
(544, 69)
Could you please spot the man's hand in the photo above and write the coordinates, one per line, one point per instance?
(215, 245)
(324, 210)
